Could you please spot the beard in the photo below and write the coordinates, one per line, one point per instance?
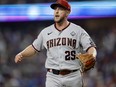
(59, 20)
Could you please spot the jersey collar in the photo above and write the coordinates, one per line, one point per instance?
(62, 29)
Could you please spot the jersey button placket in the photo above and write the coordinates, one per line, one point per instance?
(60, 56)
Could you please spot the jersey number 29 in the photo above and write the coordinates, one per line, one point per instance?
(70, 55)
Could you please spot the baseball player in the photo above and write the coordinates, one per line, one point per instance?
(69, 49)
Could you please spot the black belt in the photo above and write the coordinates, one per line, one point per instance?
(61, 72)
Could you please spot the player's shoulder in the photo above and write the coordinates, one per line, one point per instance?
(47, 29)
(75, 26)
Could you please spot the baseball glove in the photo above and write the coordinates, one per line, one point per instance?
(87, 60)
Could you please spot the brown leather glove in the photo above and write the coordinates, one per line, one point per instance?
(87, 60)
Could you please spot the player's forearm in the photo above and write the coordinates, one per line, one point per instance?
(93, 51)
(28, 51)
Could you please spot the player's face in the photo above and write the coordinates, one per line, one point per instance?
(60, 14)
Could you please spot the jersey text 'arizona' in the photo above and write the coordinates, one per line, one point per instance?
(61, 42)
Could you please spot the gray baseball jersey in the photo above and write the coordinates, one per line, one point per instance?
(62, 46)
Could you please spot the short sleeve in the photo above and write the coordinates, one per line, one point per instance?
(86, 41)
(38, 42)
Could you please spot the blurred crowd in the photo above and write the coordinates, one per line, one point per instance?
(104, 74)
(31, 72)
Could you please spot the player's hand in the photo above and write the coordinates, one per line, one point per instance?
(18, 58)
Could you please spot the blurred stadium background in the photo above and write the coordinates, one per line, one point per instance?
(22, 20)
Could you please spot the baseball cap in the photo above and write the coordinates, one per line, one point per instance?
(62, 3)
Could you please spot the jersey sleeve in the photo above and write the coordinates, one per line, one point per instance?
(86, 41)
(38, 42)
